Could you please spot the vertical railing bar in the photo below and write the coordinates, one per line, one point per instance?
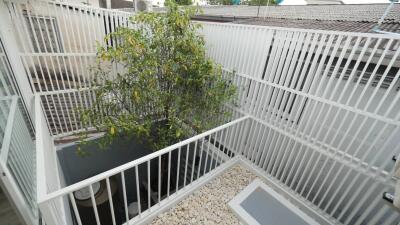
(87, 48)
(243, 94)
(280, 156)
(40, 67)
(278, 36)
(241, 48)
(138, 190)
(366, 136)
(377, 216)
(235, 33)
(201, 157)
(125, 197)
(82, 83)
(227, 46)
(71, 71)
(257, 143)
(244, 137)
(238, 134)
(75, 209)
(82, 100)
(356, 152)
(178, 165)
(49, 74)
(251, 136)
(337, 114)
(21, 145)
(247, 46)
(169, 174)
(368, 167)
(217, 154)
(337, 44)
(330, 107)
(268, 74)
(296, 164)
(271, 138)
(159, 180)
(376, 200)
(110, 200)
(82, 59)
(283, 166)
(260, 145)
(275, 153)
(96, 214)
(218, 48)
(186, 164)
(148, 186)
(212, 151)
(290, 97)
(52, 50)
(265, 149)
(226, 141)
(276, 98)
(230, 147)
(268, 157)
(354, 119)
(309, 122)
(194, 161)
(282, 95)
(391, 219)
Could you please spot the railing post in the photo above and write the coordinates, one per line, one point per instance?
(47, 174)
(47, 214)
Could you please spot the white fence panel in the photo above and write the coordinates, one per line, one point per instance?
(58, 44)
(329, 105)
(17, 150)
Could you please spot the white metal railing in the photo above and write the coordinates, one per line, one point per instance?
(17, 159)
(58, 48)
(154, 180)
(329, 103)
(324, 105)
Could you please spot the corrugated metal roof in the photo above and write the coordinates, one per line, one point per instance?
(368, 12)
(347, 26)
(351, 18)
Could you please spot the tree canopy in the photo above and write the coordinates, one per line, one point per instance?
(165, 87)
(184, 2)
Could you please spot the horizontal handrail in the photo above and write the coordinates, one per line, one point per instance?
(129, 165)
(353, 34)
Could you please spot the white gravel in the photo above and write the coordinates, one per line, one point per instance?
(209, 204)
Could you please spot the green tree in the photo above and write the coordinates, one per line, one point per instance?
(165, 89)
(259, 2)
(221, 2)
(184, 2)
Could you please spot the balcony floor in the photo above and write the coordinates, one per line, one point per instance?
(209, 204)
(7, 213)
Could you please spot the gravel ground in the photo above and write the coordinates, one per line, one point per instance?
(209, 204)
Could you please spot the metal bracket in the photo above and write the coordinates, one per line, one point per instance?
(377, 27)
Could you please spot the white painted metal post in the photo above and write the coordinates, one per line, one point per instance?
(11, 47)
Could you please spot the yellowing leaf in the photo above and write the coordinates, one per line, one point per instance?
(112, 130)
